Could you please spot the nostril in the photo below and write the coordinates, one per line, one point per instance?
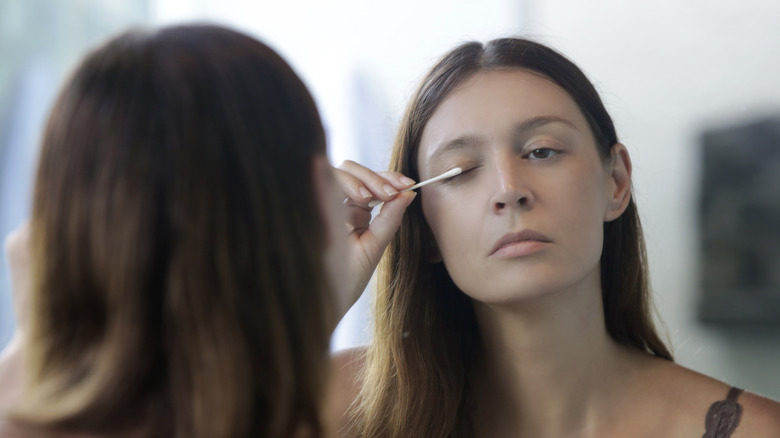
(500, 205)
(522, 202)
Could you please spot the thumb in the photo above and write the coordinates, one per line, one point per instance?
(368, 246)
(385, 224)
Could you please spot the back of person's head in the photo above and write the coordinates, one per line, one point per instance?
(178, 279)
(430, 339)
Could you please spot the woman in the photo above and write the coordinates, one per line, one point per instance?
(514, 300)
(186, 243)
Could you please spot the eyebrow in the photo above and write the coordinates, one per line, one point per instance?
(472, 140)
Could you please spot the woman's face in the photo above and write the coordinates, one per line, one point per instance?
(526, 215)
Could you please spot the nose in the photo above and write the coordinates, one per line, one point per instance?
(512, 191)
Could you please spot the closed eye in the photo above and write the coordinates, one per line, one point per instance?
(465, 171)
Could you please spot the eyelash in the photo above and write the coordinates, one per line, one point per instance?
(465, 171)
(552, 153)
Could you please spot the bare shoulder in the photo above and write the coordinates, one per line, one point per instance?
(347, 369)
(347, 366)
(690, 394)
(350, 360)
(760, 417)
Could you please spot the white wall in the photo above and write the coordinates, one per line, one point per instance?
(330, 42)
(667, 70)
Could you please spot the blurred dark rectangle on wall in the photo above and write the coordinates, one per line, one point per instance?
(739, 224)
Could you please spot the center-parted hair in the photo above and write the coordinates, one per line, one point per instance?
(426, 339)
(176, 291)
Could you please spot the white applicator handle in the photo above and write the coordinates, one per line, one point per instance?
(448, 174)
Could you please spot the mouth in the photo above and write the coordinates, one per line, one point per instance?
(518, 244)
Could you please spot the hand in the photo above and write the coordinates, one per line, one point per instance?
(17, 250)
(369, 238)
(12, 367)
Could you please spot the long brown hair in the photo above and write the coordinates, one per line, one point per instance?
(426, 339)
(169, 298)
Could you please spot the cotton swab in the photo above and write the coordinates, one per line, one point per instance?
(448, 174)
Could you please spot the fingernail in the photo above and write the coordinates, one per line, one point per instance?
(407, 181)
(364, 192)
(390, 190)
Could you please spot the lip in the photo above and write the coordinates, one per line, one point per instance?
(519, 243)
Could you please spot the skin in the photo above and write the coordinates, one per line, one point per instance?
(531, 298)
(355, 242)
(550, 368)
(548, 179)
(11, 363)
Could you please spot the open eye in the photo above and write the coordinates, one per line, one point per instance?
(541, 154)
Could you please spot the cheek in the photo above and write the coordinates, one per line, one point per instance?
(582, 209)
(448, 218)
(584, 188)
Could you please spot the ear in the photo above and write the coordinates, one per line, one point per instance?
(619, 184)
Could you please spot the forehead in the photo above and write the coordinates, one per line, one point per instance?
(496, 100)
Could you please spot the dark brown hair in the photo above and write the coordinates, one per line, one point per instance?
(418, 385)
(176, 292)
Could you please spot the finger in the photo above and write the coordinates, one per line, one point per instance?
(16, 243)
(353, 188)
(385, 224)
(399, 180)
(377, 185)
(358, 219)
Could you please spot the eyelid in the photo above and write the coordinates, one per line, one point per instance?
(466, 169)
(543, 143)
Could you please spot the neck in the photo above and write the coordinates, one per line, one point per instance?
(549, 365)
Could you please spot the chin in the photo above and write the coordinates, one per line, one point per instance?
(519, 289)
(514, 297)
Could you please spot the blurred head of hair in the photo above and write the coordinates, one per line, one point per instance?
(176, 290)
